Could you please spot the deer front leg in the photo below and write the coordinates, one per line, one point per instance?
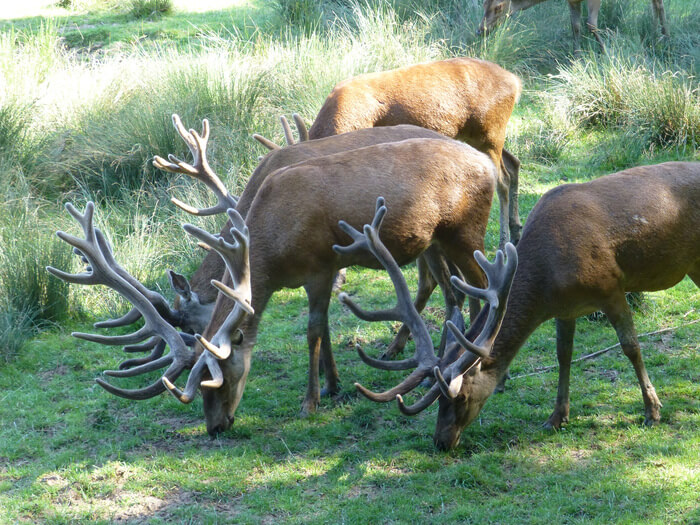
(565, 345)
(620, 317)
(575, 13)
(592, 21)
(319, 294)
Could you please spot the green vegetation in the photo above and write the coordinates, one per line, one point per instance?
(86, 94)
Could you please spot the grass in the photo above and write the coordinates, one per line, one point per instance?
(86, 95)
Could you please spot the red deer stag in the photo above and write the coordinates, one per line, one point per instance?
(496, 10)
(198, 297)
(463, 98)
(583, 247)
(444, 197)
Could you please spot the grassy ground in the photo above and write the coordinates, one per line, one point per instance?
(85, 99)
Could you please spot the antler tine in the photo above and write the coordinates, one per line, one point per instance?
(500, 277)
(199, 170)
(359, 239)
(104, 270)
(287, 130)
(236, 258)
(301, 127)
(266, 142)
(424, 357)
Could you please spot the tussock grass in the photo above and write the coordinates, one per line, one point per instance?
(655, 106)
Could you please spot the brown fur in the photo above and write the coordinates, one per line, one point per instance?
(583, 247)
(437, 191)
(464, 98)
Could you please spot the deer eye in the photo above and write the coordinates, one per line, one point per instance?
(498, 8)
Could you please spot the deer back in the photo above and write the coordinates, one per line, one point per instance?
(464, 98)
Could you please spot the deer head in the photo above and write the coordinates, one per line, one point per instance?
(456, 383)
(494, 13)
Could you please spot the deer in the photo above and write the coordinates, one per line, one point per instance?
(442, 192)
(194, 298)
(496, 10)
(463, 98)
(583, 246)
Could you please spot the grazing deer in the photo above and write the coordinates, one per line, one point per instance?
(195, 299)
(463, 98)
(442, 192)
(496, 10)
(582, 248)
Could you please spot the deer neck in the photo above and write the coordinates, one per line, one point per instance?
(527, 309)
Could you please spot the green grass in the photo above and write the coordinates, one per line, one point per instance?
(86, 95)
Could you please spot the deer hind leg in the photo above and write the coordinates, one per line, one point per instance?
(511, 165)
(566, 328)
(592, 21)
(620, 317)
(503, 191)
(319, 294)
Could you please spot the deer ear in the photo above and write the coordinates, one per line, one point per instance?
(180, 284)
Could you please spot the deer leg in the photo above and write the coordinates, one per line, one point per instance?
(319, 294)
(511, 165)
(620, 317)
(426, 285)
(565, 346)
(592, 21)
(330, 371)
(575, 13)
(503, 190)
(660, 14)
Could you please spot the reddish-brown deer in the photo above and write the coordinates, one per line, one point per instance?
(496, 10)
(442, 192)
(464, 98)
(195, 299)
(582, 248)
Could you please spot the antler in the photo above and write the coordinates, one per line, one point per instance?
(424, 358)
(287, 130)
(235, 256)
(199, 170)
(449, 370)
(103, 269)
(450, 373)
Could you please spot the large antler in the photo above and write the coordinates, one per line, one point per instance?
(103, 269)
(199, 169)
(424, 358)
(449, 371)
(235, 256)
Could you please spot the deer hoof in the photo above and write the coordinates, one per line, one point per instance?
(308, 408)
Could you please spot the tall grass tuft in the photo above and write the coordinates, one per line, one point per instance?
(659, 107)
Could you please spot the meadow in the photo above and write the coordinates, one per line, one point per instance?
(87, 89)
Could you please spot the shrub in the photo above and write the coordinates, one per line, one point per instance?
(150, 8)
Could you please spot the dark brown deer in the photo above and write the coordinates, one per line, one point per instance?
(496, 10)
(463, 98)
(583, 247)
(195, 299)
